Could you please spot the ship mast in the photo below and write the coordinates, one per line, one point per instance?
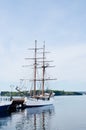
(43, 69)
(35, 67)
(44, 66)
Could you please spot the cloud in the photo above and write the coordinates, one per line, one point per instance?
(70, 62)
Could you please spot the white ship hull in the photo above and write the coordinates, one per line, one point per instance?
(38, 103)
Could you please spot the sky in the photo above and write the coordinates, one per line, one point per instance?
(60, 23)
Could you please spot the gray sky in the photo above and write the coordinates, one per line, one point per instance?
(60, 23)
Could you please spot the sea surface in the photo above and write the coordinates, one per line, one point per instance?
(68, 113)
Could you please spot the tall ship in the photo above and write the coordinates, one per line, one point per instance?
(39, 96)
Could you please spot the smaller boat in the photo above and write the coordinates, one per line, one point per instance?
(4, 104)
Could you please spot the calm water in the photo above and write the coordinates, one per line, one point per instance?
(68, 113)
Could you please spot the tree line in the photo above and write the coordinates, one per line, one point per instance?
(26, 93)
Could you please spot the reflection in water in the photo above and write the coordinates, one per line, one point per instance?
(43, 124)
(44, 118)
(34, 121)
(4, 117)
(28, 119)
(35, 118)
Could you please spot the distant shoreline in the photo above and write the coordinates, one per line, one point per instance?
(63, 93)
(57, 93)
